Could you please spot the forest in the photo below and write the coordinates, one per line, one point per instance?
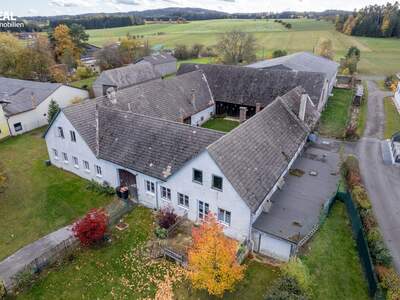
(371, 21)
(99, 22)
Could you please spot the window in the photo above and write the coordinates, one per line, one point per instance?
(86, 165)
(165, 193)
(197, 176)
(183, 200)
(73, 136)
(17, 127)
(60, 132)
(65, 157)
(217, 182)
(55, 153)
(150, 186)
(76, 162)
(224, 216)
(98, 171)
(204, 208)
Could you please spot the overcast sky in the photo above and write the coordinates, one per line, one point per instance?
(56, 7)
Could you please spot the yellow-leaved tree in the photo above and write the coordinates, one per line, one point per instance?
(212, 259)
(65, 49)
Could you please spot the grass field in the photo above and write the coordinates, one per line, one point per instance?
(37, 199)
(334, 118)
(363, 115)
(392, 118)
(84, 83)
(378, 56)
(333, 260)
(220, 124)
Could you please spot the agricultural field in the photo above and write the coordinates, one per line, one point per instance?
(378, 56)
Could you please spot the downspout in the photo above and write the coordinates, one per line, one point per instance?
(157, 185)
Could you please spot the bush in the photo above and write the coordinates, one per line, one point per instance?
(99, 188)
(161, 233)
(390, 281)
(181, 52)
(360, 196)
(368, 219)
(379, 253)
(285, 288)
(166, 217)
(92, 228)
(299, 271)
(352, 171)
(3, 291)
(279, 53)
(84, 72)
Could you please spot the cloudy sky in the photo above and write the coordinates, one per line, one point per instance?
(55, 7)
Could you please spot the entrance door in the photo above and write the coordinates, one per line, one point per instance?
(128, 179)
(204, 208)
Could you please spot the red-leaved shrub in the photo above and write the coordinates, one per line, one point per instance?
(91, 229)
(166, 217)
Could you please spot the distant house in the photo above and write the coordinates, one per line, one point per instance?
(185, 99)
(395, 147)
(163, 63)
(24, 104)
(303, 61)
(88, 57)
(120, 78)
(235, 87)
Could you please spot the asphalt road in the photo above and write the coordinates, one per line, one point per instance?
(381, 181)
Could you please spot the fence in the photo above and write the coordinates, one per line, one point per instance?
(362, 245)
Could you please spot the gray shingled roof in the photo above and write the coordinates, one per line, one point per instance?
(254, 155)
(247, 86)
(149, 145)
(83, 117)
(24, 95)
(127, 76)
(158, 59)
(293, 101)
(301, 61)
(171, 99)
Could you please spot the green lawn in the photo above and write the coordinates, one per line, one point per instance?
(392, 118)
(258, 280)
(378, 56)
(334, 118)
(84, 83)
(114, 271)
(220, 124)
(333, 260)
(38, 199)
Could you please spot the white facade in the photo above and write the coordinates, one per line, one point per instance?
(203, 116)
(181, 182)
(397, 97)
(29, 120)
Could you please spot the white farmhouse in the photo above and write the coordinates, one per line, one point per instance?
(192, 169)
(25, 103)
(397, 94)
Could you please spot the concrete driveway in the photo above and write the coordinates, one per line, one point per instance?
(381, 181)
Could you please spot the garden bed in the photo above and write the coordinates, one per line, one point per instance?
(221, 124)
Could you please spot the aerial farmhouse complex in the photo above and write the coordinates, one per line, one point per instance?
(148, 138)
(24, 104)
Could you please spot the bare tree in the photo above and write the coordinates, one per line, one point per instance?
(235, 47)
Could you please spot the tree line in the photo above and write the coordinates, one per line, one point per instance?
(371, 21)
(99, 22)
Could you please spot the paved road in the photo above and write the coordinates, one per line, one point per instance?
(382, 181)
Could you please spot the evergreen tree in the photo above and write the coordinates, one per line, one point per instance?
(54, 108)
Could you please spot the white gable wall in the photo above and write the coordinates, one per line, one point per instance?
(38, 117)
(202, 116)
(180, 182)
(397, 97)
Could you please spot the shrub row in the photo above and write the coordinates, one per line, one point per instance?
(379, 252)
(295, 284)
(99, 188)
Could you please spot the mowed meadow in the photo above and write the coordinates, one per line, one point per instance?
(379, 56)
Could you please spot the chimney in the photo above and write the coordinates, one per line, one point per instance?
(33, 100)
(242, 115)
(303, 104)
(112, 95)
(258, 107)
(193, 98)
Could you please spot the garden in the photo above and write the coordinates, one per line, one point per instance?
(221, 124)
